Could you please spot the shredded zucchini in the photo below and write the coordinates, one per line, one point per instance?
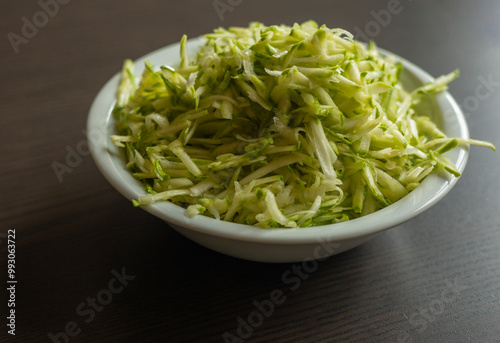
(279, 127)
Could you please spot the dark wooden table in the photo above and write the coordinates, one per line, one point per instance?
(90, 268)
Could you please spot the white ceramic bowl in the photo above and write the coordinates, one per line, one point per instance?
(273, 245)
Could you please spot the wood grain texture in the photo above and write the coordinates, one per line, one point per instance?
(433, 279)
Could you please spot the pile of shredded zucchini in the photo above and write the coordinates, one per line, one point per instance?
(279, 127)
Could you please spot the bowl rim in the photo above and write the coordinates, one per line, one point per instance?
(109, 162)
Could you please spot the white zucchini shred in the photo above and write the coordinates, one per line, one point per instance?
(279, 126)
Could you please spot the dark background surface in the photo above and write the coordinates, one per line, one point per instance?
(434, 279)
